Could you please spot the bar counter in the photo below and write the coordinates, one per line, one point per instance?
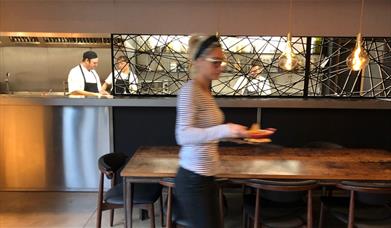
(52, 142)
(225, 102)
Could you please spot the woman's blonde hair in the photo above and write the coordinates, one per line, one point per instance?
(195, 43)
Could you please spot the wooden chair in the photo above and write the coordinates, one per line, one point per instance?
(369, 204)
(173, 215)
(144, 196)
(278, 203)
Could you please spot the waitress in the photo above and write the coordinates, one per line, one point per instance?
(199, 127)
(125, 80)
(83, 79)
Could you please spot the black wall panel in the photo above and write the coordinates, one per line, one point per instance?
(348, 127)
(152, 126)
(135, 126)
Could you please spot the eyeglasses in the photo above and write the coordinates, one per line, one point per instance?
(216, 62)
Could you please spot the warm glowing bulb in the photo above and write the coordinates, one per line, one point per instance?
(358, 59)
(288, 60)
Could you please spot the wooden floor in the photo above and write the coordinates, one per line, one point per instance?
(73, 209)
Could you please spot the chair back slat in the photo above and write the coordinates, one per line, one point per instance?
(110, 163)
(284, 193)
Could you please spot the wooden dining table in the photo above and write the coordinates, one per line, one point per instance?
(266, 161)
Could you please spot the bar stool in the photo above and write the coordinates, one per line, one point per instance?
(369, 204)
(173, 216)
(278, 203)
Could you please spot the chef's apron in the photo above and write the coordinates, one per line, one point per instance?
(121, 86)
(90, 87)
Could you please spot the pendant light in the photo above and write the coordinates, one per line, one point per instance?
(358, 59)
(288, 60)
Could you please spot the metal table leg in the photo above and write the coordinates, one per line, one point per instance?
(128, 199)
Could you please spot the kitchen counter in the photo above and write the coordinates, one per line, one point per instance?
(49, 144)
(326, 103)
(68, 134)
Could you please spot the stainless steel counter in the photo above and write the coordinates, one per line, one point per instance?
(52, 142)
(223, 102)
(46, 147)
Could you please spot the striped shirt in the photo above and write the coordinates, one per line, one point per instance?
(198, 129)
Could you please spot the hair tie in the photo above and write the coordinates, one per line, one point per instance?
(205, 45)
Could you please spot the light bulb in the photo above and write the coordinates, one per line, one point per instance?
(288, 60)
(358, 59)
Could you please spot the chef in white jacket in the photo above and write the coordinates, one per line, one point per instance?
(253, 83)
(125, 79)
(83, 79)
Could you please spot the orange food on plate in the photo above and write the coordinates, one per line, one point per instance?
(261, 140)
(255, 132)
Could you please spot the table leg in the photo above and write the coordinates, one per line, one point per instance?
(128, 199)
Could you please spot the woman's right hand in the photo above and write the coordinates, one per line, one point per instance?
(238, 131)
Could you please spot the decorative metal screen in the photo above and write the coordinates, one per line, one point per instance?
(161, 65)
(330, 75)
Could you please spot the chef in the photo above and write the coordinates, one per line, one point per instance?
(83, 79)
(125, 80)
(254, 83)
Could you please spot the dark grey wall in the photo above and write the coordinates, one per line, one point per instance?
(134, 127)
(348, 127)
